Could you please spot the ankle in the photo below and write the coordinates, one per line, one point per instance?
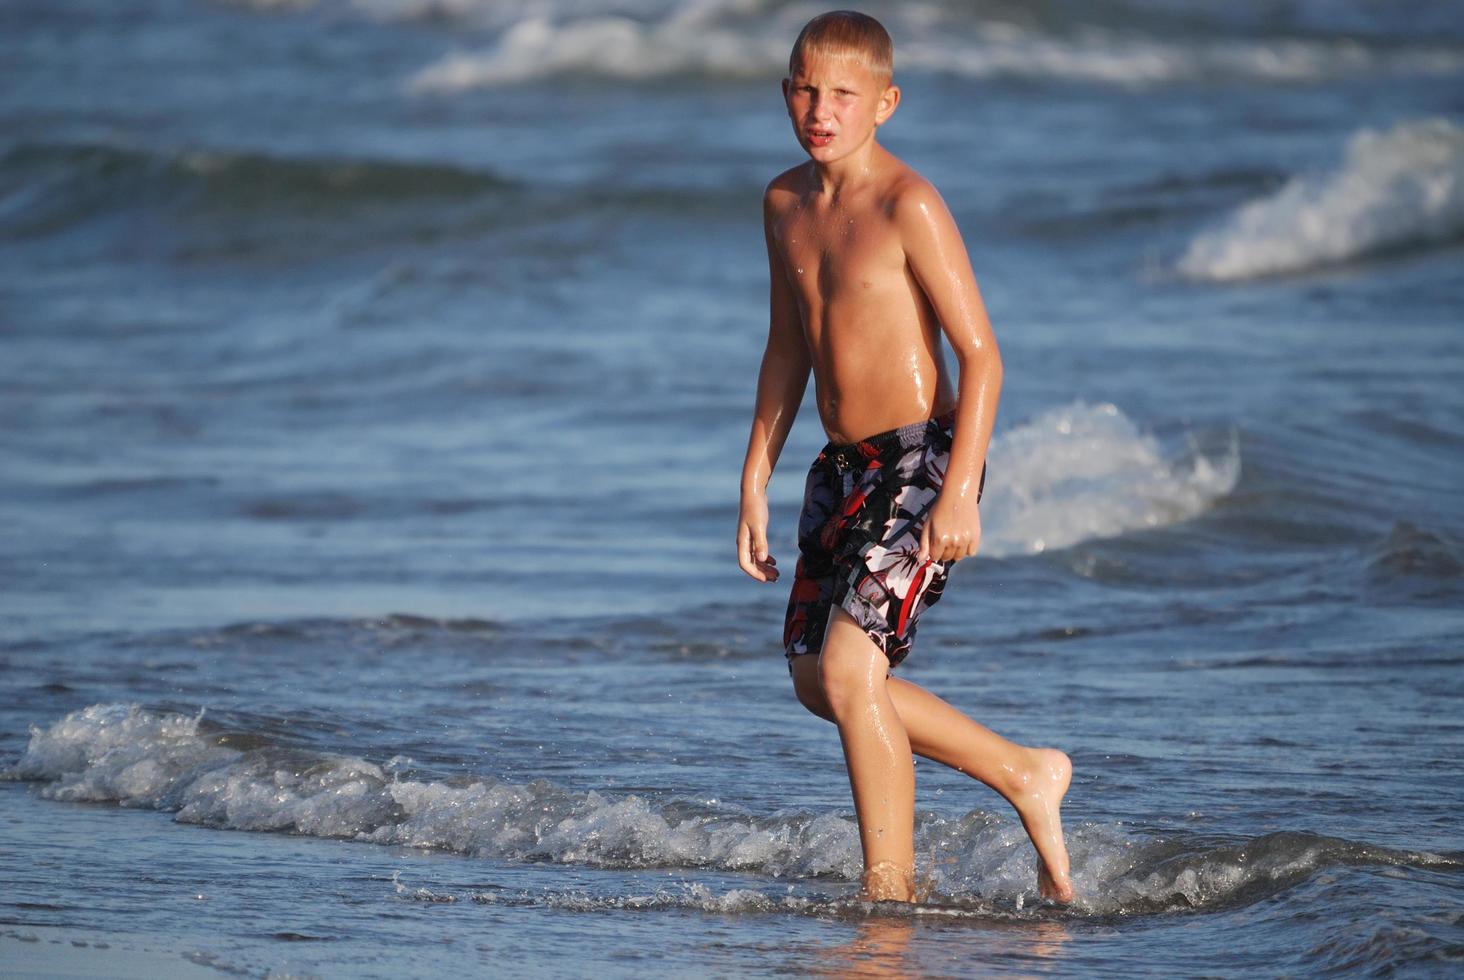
(886, 881)
(1020, 772)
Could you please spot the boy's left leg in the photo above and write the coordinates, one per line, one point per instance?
(1033, 780)
(853, 672)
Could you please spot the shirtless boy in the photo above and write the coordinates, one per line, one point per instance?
(867, 269)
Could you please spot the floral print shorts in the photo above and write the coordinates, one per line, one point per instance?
(859, 538)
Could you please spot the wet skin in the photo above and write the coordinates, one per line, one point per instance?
(873, 338)
(866, 269)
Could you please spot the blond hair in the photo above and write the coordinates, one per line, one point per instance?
(847, 33)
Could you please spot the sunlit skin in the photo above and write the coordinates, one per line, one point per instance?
(867, 269)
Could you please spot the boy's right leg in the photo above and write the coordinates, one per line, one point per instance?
(853, 673)
(1033, 780)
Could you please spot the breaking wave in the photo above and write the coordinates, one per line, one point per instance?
(1395, 189)
(182, 764)
(745, 39)
(1080, 472)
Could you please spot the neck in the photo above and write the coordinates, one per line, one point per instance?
(848, 171)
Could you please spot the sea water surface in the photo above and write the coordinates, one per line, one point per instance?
(374, 383)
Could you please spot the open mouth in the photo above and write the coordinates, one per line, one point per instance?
(820, 137)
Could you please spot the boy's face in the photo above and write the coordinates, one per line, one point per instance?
(835, 103)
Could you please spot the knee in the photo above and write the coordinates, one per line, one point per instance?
(845, 682)
(808, 688)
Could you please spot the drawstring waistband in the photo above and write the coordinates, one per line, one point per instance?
(848, 455)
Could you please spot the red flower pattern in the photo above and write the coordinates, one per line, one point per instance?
(858, 536)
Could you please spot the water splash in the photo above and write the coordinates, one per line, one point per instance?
(1079, 472)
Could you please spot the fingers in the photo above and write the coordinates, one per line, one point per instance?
(935, 546)
(744, 552)
(965, 548)
(752, 553)
(760, 544)
(765, 562)
(972, 543)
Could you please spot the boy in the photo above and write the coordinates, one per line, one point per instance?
(867, 267)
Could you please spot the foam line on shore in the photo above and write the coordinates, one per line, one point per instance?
(136, 757)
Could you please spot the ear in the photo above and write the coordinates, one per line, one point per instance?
(889, 100)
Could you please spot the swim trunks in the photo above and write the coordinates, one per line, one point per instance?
(864, 505)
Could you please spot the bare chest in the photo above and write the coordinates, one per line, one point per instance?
(829, 252)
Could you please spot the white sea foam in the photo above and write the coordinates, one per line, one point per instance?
(1394, 189)
(136, 757)
(1131, 60)
(1080, 472)
(123, 753)
(273, 5)
(736, 38)
(641, 39)
(690, 41)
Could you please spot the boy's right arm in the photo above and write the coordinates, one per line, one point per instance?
(780, 384)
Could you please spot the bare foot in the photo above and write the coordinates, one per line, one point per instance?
(886, 881)
(1037, 798)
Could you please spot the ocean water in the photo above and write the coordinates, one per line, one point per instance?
(374, 382)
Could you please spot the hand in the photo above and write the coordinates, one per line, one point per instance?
(952, 531)
(752, 539)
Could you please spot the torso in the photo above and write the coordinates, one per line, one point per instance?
(873, 337)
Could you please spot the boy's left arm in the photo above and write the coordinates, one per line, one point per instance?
(937, 256)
